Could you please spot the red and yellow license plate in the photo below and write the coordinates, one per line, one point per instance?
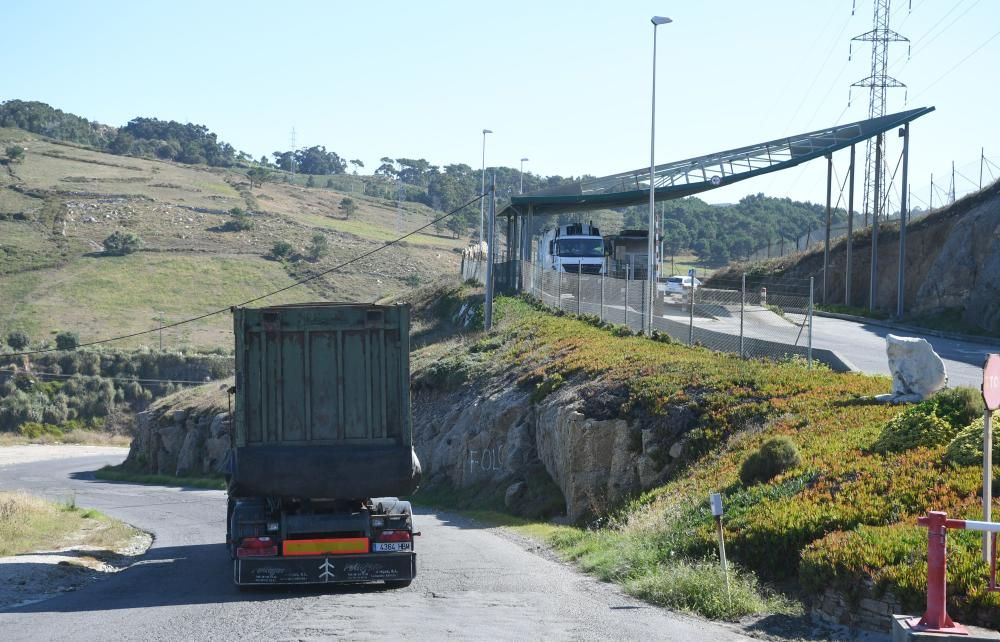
(343, 546)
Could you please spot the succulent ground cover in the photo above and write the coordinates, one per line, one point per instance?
(843, 516)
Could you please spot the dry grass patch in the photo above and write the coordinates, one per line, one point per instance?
(29, 524)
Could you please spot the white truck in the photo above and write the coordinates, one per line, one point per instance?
(575, 247)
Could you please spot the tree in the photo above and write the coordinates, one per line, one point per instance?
(319, 248)
(15, 153)
(281, 249)
(67, 340)
(348, 207)
(310, 182)
(456, 225)
(258, 175)
(18, 340)
(121, 243)
(357, 165)
(329, 182)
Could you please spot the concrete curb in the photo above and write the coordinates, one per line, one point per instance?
(956, 336)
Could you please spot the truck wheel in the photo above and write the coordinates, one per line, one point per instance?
(397, 584)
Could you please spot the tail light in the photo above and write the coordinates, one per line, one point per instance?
(257, 547)
(394, 536)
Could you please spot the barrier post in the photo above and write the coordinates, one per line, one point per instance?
(936, 618)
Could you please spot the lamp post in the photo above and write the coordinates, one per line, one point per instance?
(482, 201)
(521, 189)
(650, 248)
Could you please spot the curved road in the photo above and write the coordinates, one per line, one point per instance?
(472, 583)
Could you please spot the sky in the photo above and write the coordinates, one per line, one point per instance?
(565, 84)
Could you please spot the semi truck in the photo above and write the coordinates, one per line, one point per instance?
(576, 247)
(322, 446)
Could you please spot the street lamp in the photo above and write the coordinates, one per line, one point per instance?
(482, 201)
(521, 190)
(650, 248)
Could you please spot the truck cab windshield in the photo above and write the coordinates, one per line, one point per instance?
(580, 248)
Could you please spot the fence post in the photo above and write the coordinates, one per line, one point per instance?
(809, 350)
(743, 300)
(627, 273)
(601, 312)
(579, 285)
(691, 316)
(559, 288)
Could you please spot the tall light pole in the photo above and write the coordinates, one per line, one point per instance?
(651, 250)
(521, 189)
(482, 201)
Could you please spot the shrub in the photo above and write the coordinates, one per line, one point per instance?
(959, 406)
(932, 422)
(15, 153)
(241, 221)
(18, 340)
(67, 340)
(121, 243)
(320, 247)
(774, 456)
(966, 449)
(912, 428)
(34, 430)
(281, 249)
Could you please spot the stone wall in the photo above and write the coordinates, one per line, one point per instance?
(867, 611)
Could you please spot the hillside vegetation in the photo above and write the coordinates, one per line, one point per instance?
(59, 202)
(833, 504)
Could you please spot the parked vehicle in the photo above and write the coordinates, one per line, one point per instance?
(678, 284)
(577, 247)
(322, 447)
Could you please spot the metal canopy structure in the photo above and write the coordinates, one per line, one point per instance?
(703, 173)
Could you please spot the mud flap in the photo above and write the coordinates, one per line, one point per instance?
(325, 570)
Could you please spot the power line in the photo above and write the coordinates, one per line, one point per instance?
(122, 379)
(957, 64)
(364, 255)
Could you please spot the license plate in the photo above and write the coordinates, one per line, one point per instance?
(392, 547)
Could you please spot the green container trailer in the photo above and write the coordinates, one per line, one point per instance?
(323, 445)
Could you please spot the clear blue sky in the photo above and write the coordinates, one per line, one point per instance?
(566, 84)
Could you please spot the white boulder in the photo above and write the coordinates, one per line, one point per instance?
(917, 371)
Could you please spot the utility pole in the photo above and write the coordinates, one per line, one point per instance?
(982, 157)
(904, 133)
(930, 204)
(951, 196)
(877, 82)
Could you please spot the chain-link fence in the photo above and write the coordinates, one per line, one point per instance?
(773, 323)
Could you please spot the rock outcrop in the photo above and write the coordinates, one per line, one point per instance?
(185, 435)
(951, 264)
(541, 458)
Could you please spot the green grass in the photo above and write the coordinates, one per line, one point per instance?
(29, 524)
(103, 296)
(109, 473)
(372, 231)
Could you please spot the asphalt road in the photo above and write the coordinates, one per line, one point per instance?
(473, 583)
(862, 344)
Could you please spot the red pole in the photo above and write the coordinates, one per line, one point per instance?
(936, 616)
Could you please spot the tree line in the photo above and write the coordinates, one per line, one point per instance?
(148, 137)
(715, 233)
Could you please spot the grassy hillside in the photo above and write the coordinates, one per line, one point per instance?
(61, 201)
(842, 516)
